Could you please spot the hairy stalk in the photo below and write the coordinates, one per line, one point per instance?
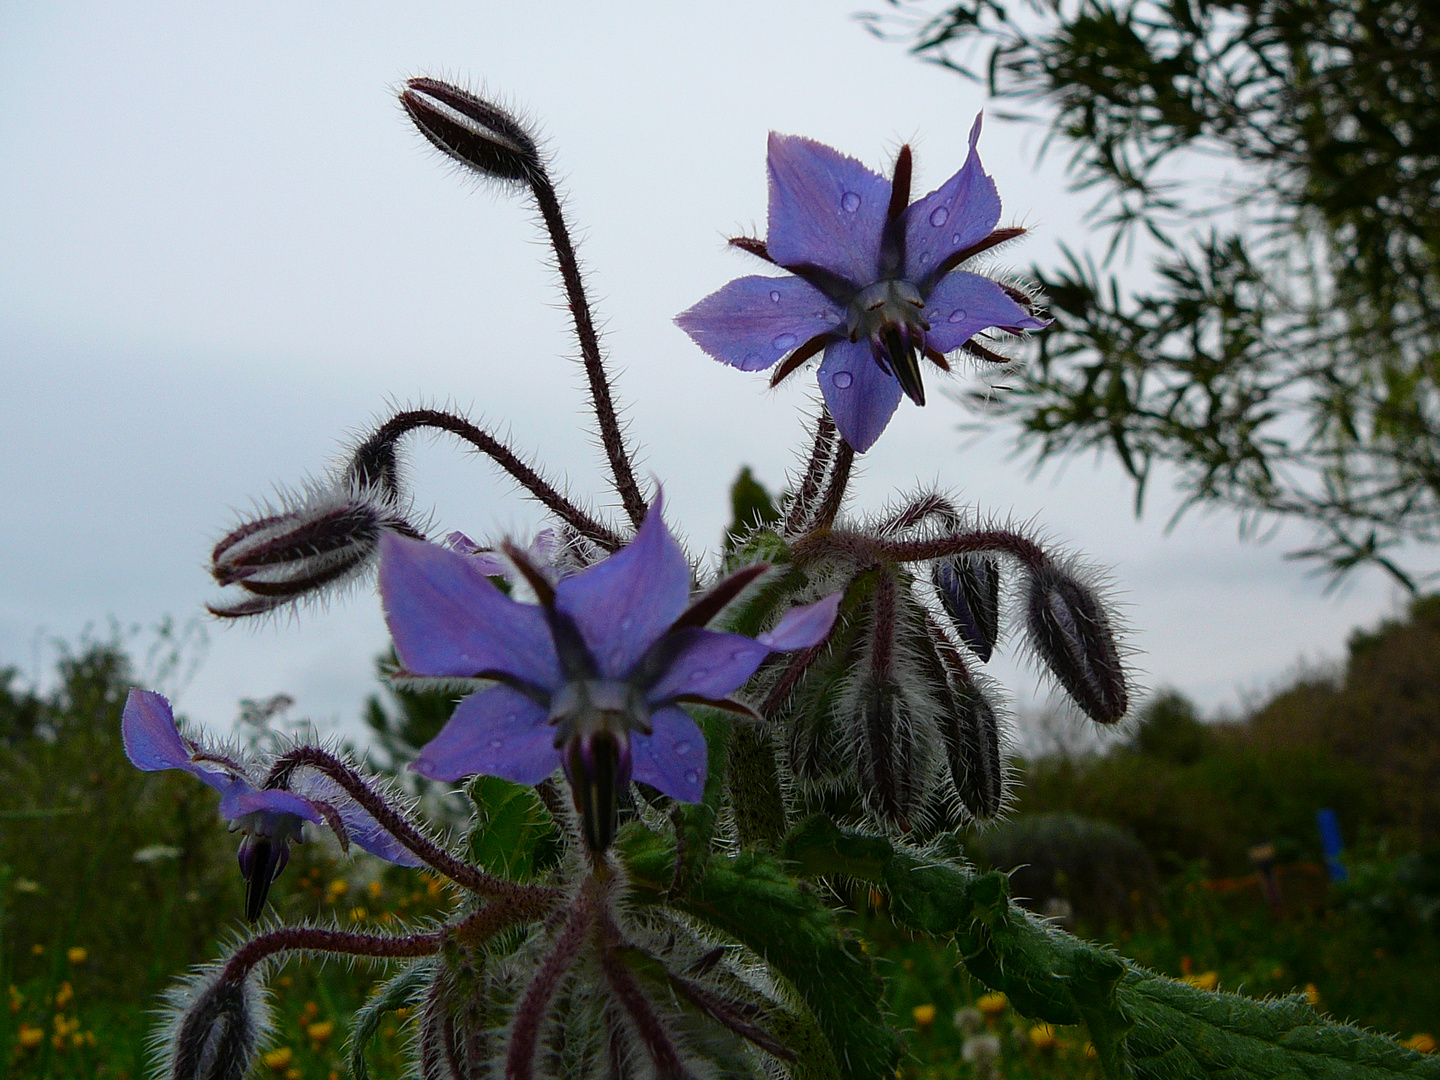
(867, 549)
(789, 679)
(291, 938)
(815, 468)
(648, 1025)
(374, 462)
(530, 1013)
(835, 493)
(533, 898)
(936, 506)
(610, 433)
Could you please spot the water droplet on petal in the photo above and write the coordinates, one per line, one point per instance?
(740, 654)
(496, 744)
(955, 239)
(843, 379)
(510, 718)
(627, 622)
(699, 672)
(939, 216)
(682, 748)
(692, 777)
(958, 315)
(850, 201)
(785, 342)
(774, 297)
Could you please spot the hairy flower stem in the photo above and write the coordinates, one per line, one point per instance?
(610, 434)
(535, 1005)
(835, 493)
(533, 898)
(632, 999)
(914, 515)
(867, 549)
(374, 462)
(820, 458)
(756, 801)
(313, 938)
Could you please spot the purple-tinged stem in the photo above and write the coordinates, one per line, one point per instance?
(936, 506)
(815, 469)
(533, 898)
(637, 1006)
(610, 434)
(719, 1011)
(867, 549)
(882, 632)
(373, 457)
(789, 679)
(313, 938)
(533, 1007)
(835, 492)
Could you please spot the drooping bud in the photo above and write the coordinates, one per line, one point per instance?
(217, 1030)
(969, 590)
(972, 748)
(888, 757)
(1072, 634)
(475, 132)
(319, 541)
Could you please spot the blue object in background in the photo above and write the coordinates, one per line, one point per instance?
(1331, 844)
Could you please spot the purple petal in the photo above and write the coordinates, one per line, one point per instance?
(241, 799)
(152, 741)
(709, 664)
(497, 732)
(826, 209)
(448, 619)
(624, 604)
(861, 396)
(961, 212)
(963, 304)
(803, 627)
(672, 759)
(754, 321)
(363, 829)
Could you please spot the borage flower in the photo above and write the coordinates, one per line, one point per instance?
(875, 282)
(591, 678)
(268, 818)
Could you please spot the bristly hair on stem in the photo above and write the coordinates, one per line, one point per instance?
(484, 137)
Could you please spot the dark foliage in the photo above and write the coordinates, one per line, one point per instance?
(1291, 367)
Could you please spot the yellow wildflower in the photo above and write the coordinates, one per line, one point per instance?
(924, 1015)
(1091, 1052)
(321, 1031)
(278, 1059)
(375, 889)
(64, 995)
(37, 950)
(992, 1004)
(77, 954)
(1042, 1037)
(338, 888)
(357, 914)
(1206, 980)
(1312, 995)
(1421, 1042)
(293, 1074)
(30, 1036)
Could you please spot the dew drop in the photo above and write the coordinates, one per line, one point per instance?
(699, 672)
(692, 777)
(682, 748)
(495, 744)
(627, 622)
(510, 718)
(774, 297)
(955, 239)
(843, 379)
(958, 315)
(939, 216)
(850, 201)
(740, 654)
(785, 342)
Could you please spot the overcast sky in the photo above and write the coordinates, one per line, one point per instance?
(223, 252)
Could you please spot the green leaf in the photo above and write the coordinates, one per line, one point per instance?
(751, 898)
(402, 990)
(751, 508)
(513, 836)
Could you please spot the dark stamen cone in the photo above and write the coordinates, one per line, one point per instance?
(472, 131)
(261, 861)
(969, 590)
(598, 768)
(1072, 634)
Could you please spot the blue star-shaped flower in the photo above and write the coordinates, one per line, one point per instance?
(269, 818)
(875, 281)
(591, 679)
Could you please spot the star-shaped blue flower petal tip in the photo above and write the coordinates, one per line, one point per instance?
(269, 817)
(553, 702)
(874, 282)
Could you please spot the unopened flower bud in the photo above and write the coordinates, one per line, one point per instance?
(474, 132)
(217, 1032)
(972, 747)
(888, 758)
(319, 541)
(1071, 632)
(969, 590)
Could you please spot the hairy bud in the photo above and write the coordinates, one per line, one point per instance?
(888, 757)
(218, 1030)
(969, 589)
(318, 541)
(474, 132)
(1071, 632)
(972, 748)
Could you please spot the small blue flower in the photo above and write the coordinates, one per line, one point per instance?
(591, 679)
(875, 281)
(268, 818)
